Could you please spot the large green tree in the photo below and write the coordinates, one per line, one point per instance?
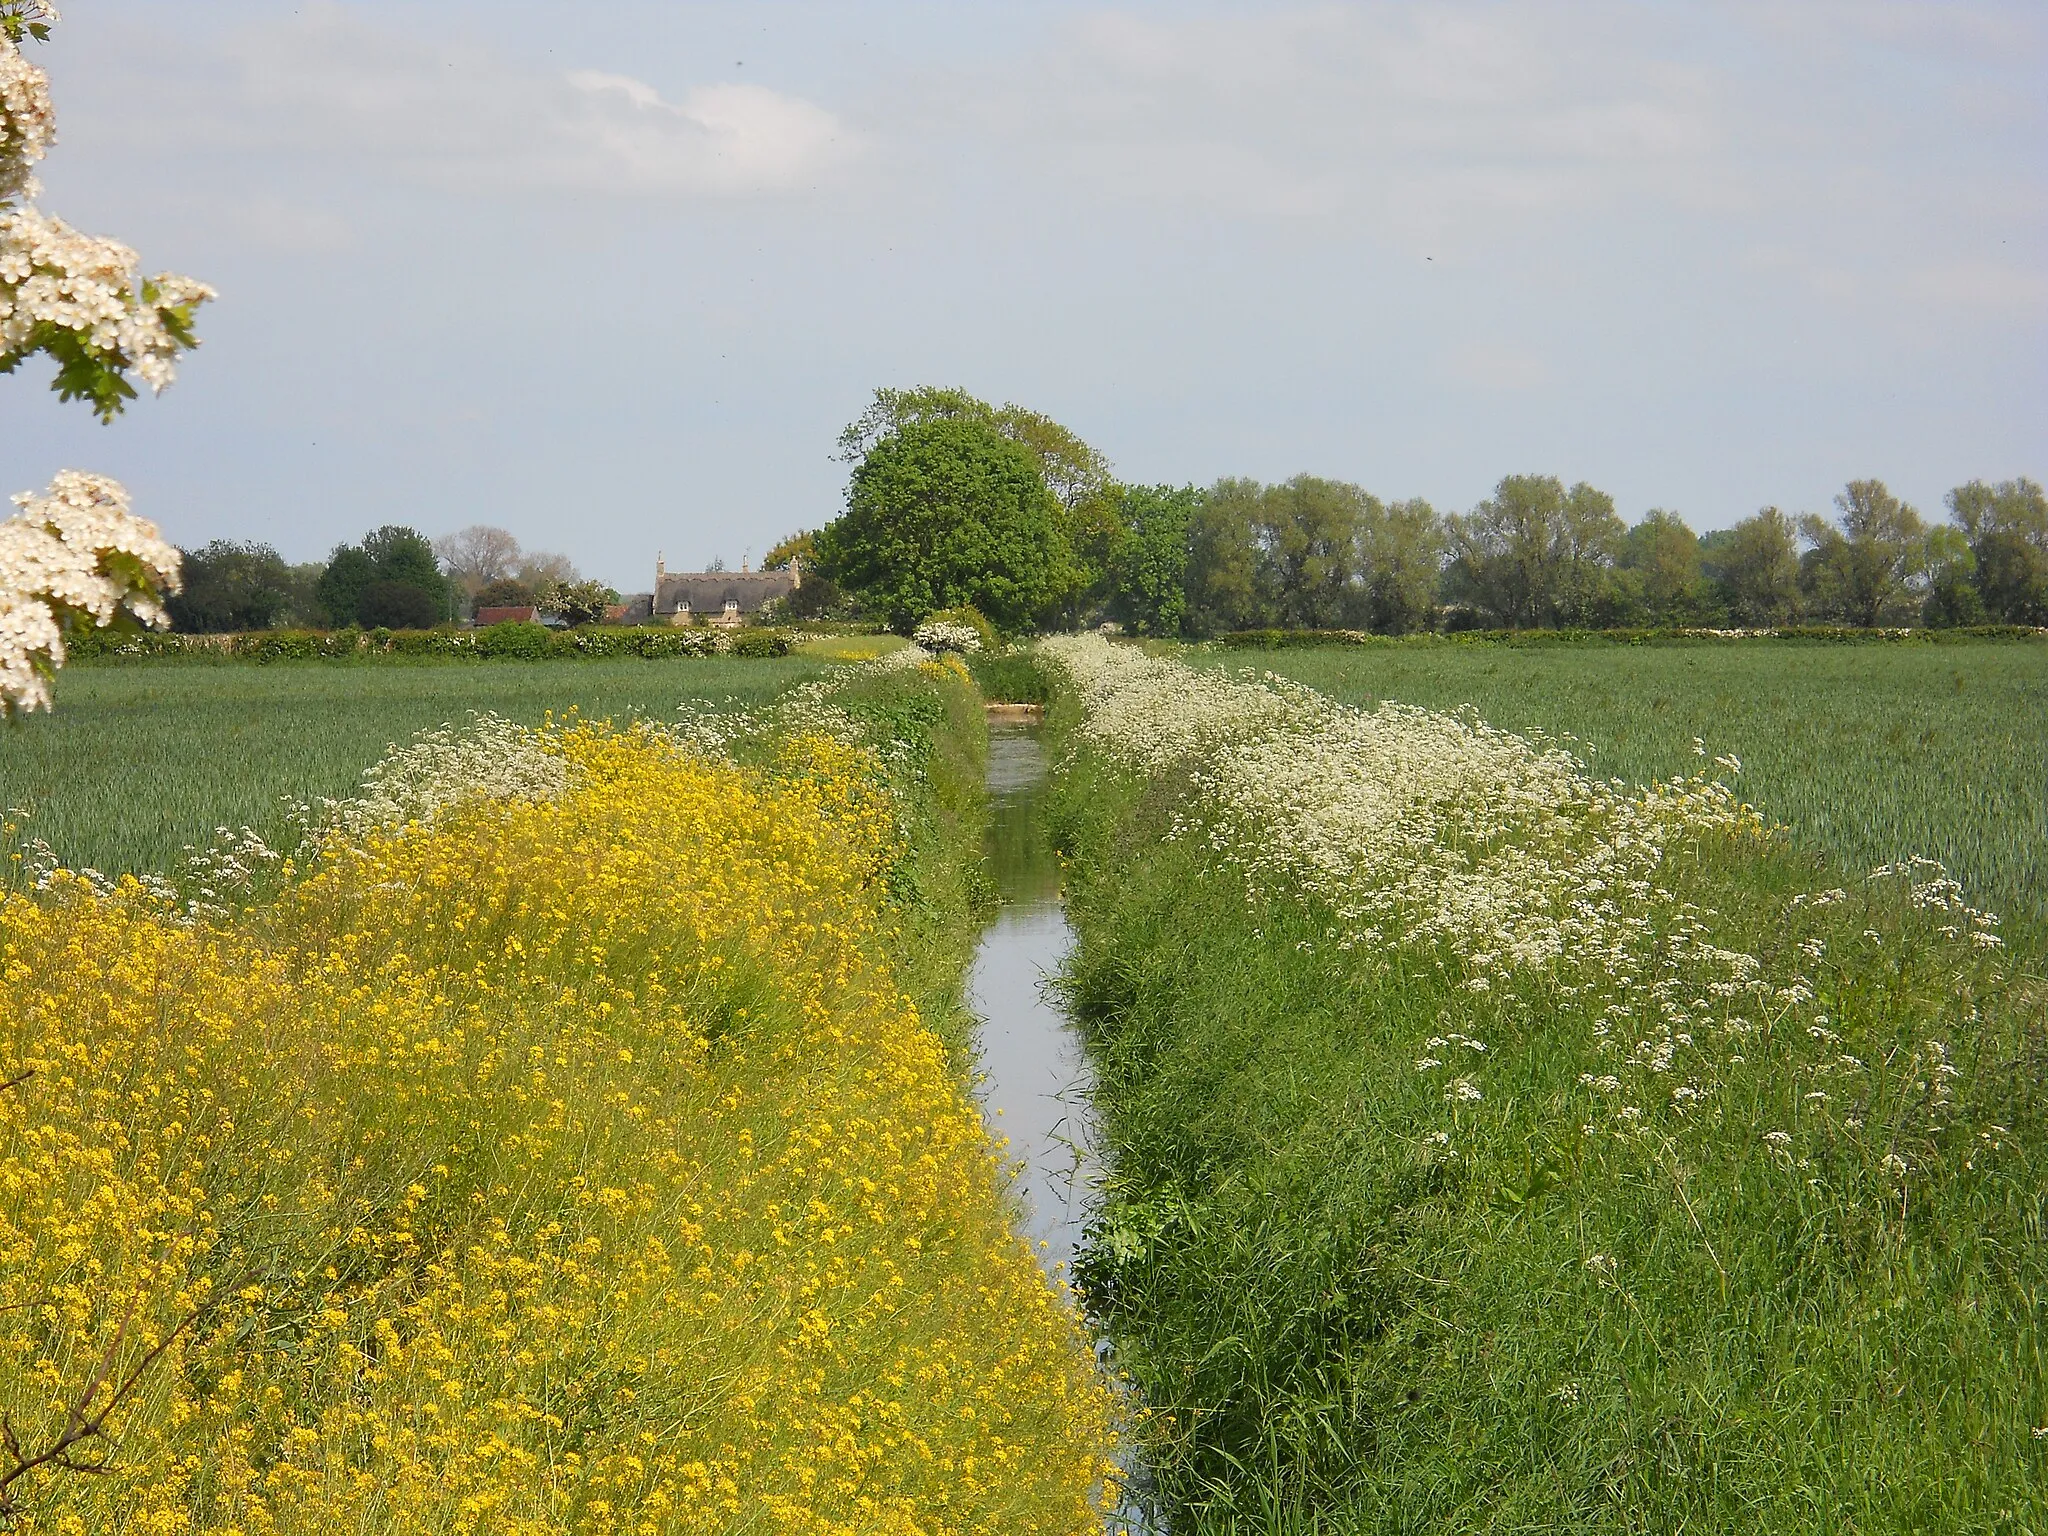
(1863, 569)
(2006, 526)
(1660, 567)
(946, 513)
(1077, 474)
(1149, 582)
(1536, 554)
(390, 555)
(232, 585)
(1400, 565)
(1755, 568)
(1308, 535)
(1226, 588)
(1952, 595)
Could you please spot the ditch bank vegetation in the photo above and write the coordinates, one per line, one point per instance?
(572, 1135)
(1497, 1149)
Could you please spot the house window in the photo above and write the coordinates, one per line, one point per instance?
(732, 605)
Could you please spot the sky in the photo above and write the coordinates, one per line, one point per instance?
(614, 275)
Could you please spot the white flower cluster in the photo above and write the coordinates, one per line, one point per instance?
(54, 278)
(1410, 824)
(76, 552)
(73, 553)
(943, 635)
(60, 287)
(28, 123)
(491, 758)
(1517, 867)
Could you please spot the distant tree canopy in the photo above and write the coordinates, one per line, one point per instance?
(505, 592)
(1754, 568)
(1319, 554)
(942, 511)
(946, 512)
(1536, 555)
(1862, 568)
(1078, 477)
(2006, 528)
(1148, 577)
(801, 545)
(1310, 554)
(397, 605)
(1660, 574)
(391, 556)
(233, 585)
(476, 556)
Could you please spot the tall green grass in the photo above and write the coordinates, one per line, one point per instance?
(1869, 753)
(136, 762)
(1551, 1320)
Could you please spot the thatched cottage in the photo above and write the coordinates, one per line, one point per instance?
(723, 598)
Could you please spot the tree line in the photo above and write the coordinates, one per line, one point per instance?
(954, 502)
(394, 577)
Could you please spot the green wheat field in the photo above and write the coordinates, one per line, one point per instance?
(137, 761)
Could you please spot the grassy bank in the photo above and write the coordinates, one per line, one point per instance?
(564, 1147)
(1495, 1151)
(1870, 753)
(137, 761)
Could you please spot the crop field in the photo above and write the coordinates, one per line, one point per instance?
(137, 761)
(1497, 1149)
(1870, 753)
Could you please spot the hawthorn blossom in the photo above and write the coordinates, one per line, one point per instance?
(75, 553)
(76, 296)
(944, 635)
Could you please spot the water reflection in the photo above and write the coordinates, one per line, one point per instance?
(1034, 1070)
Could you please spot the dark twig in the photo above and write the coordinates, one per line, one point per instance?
(83, 1422)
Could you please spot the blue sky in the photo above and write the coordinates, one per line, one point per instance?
(614, 275)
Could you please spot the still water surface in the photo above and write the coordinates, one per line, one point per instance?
(1035, 1076)
(1036, 1079)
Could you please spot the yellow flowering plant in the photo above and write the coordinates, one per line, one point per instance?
(571, 1161)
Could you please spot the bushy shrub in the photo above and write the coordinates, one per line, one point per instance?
(521, 641)
(397, 605)
(962, 629)
(760, 643)
(1008, 677)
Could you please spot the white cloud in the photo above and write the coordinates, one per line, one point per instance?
(731, 139)
(331, 83)
(1426, 118)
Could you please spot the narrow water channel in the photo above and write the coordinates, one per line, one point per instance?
(1037, 1084)
(1035, 1074)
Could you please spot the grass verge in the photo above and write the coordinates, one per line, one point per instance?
(1703, 1197)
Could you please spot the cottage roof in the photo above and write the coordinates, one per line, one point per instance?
(506, 613)
(710, 591)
